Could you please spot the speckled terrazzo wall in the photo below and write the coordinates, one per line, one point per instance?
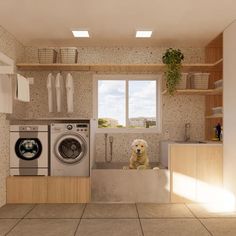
(176, 110)
(15, 50)
(122, 55)
(38, 106)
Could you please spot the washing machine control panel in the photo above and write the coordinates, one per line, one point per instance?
(79, 127)
(82, 127)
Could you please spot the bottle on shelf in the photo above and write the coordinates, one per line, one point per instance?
(217, 132)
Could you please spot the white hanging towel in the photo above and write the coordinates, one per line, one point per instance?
(59, 87)
(22, 88)
(5, 94)
(50, 91)
(69, 92)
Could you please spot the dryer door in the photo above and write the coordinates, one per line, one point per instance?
(28, 148)
(70, 148)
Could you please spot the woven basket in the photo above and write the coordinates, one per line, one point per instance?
(68, 55)
(199, 80)
(218, 83)
(183, 82)
(47, 55)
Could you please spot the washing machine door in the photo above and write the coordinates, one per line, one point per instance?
(70, 148)
(28, 148)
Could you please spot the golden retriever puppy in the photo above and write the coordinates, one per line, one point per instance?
(139, 158)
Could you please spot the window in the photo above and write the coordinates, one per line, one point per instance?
(127, 102)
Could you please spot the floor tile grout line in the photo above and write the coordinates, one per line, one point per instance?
(110, 218)
(52, 218)
(80, 219)
(19, 220)
(140, 223)
(29, 211)
(191, 211)
(136, 207)
(167, 218)
(76, 229)
(199, 220)
(86, 204)
(205, 227)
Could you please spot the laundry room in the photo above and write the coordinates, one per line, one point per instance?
(125, 126)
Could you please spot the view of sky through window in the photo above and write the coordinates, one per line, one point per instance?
(111, 100)
(141, 100)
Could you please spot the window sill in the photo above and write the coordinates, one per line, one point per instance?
(128, 131)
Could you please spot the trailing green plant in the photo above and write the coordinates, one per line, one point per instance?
(172, 58)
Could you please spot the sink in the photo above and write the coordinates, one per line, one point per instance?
(191, 142)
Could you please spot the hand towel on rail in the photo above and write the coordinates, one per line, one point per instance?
(22, 88)
(69, 92)
(6, 94)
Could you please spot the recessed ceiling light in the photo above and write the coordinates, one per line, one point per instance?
(80, 33)
(143, 33)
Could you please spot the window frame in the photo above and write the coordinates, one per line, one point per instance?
(128, 77)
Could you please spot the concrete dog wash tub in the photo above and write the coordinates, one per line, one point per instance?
(111, 183)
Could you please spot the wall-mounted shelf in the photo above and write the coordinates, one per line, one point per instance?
(217, 91)
(214, 116)
(115, 67)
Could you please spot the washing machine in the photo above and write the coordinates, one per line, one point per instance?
(70, 149)
(29, 150)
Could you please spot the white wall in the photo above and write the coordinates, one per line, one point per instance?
(229, 103)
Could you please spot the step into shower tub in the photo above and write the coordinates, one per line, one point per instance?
(111, 183)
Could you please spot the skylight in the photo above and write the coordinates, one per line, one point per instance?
(143, 33)
(80, 33)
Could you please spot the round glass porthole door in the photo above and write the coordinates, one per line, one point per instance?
(70, 149)
(28, 149)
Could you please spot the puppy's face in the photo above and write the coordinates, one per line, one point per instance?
(139, 146)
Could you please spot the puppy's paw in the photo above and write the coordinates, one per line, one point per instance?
(141, 167)
(156, 168)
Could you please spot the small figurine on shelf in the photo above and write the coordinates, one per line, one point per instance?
(218, 132)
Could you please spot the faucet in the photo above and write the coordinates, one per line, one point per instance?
(187, 132)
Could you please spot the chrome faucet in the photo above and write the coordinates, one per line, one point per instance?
(187, 132)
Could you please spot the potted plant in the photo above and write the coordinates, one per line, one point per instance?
(172, 58)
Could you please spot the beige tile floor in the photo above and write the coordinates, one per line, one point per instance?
(114, 220)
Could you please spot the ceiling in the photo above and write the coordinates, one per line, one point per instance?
(113, 22)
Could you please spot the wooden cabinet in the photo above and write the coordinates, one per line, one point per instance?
(68, 189)
(196, 172)
(37, 189)
(27, 189)
(183, 172)
(209, 172)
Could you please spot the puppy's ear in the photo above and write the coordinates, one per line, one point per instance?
(133, 143)
(145, 143)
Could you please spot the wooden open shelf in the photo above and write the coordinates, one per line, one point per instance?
(199, 67)
(213, 52)
(214, 116)
(217, 91)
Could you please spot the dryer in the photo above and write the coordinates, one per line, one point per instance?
(29, 150)
(70, 149)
